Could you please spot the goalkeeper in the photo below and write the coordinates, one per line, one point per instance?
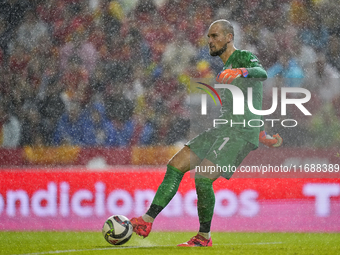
(222, 145)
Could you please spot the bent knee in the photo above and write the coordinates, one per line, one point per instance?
(181, 160)
(185, 160)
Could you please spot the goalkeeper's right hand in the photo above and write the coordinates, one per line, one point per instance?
(272, 142)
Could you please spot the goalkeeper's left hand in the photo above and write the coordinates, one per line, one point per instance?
(272, 142)
(228, 75)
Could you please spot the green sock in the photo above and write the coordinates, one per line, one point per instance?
(166, 191)
(205, 202)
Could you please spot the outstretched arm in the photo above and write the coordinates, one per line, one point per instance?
(228, 75)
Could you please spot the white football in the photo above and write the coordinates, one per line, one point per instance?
(117, 230)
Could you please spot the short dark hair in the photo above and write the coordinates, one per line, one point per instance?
(227, 27)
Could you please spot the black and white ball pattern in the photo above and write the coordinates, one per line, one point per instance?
(117, 230)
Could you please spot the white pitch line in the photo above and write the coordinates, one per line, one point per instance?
(131, 247)
(94, 249)
(249, 243)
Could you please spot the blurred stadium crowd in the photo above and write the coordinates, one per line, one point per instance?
(116, 73)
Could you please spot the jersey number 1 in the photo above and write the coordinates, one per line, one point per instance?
(226, 139)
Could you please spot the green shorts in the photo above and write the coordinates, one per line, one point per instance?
(226, 152)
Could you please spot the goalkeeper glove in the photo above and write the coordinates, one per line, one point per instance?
(228, 75)
(272, 142)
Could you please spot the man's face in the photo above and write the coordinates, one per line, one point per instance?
(218, 41)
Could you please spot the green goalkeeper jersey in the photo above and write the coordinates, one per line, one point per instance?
(256, 74)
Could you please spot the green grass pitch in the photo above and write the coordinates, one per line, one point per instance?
(162, 243)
